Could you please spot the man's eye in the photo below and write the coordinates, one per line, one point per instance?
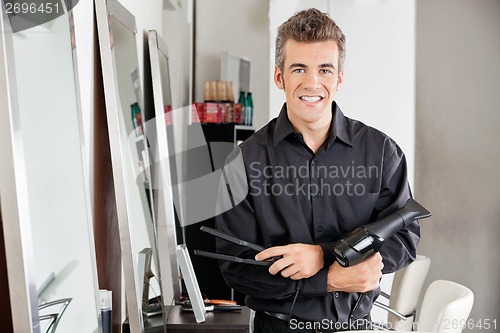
(298, 70)
(325, 71)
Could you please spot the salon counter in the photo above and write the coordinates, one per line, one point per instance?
(184, 322)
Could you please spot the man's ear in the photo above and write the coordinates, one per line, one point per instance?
(340, 81)
(278, 78)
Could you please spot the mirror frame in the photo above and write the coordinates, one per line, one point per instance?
(112, 101)
(19, 249)
(14, 193)
(167, 239)
(104, 10)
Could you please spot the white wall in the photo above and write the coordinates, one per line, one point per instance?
(177, 29)
(379, 84)
(458, 131)
(239, 27)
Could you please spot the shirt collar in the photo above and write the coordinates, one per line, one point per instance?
(283, 127)
(338, 130)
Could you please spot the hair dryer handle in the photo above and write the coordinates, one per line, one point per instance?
(356, 247)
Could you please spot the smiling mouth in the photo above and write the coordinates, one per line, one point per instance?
(311, 99)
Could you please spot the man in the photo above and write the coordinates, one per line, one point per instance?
(313, 175)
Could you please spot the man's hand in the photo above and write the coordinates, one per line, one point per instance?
(299, 261)
(362, 277)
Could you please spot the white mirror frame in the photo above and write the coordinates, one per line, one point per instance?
(13, 194)
(167, 240)
(14, 201)
(117, 156)
(105, 9)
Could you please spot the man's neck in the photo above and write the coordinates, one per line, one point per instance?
(314, 134)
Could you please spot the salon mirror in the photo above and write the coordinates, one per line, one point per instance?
(51, 185)
(130, 158)
(161, 132)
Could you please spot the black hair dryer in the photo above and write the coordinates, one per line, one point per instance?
(366, 240)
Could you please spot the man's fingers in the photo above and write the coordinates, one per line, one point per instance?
(296, 261)
(291, 272)
(377, 262)
(362, 277)
(279, 265)
(271, 252)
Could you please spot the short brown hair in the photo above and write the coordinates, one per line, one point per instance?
(310, 25)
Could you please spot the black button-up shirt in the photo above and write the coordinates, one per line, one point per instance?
(294, 195)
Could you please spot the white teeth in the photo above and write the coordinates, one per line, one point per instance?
(310, 99)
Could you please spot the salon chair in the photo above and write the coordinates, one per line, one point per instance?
(445, 308)
(405, 294)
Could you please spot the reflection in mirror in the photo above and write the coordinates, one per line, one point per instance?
(49, 144)
(164, 171)
(130, 158)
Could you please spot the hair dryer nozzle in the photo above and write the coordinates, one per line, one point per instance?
(389, 225)
(412, 210)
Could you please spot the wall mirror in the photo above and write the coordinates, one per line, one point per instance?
(162, 135)
(49, 202)
(130, 158)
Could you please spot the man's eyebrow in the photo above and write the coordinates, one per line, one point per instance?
(297, 65)
(327, 66)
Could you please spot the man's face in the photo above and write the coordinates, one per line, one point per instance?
(310, 79)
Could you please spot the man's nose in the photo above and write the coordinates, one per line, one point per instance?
(312, 80)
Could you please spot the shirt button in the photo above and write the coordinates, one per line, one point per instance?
(319, 228)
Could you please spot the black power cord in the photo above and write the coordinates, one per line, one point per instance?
(297, 292)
